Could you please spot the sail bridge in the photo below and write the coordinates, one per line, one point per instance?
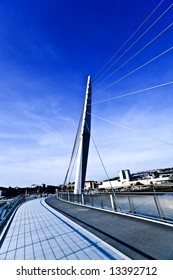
(81, 144)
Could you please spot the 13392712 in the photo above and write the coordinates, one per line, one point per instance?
(136, 270)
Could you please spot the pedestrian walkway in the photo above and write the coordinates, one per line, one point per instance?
(136, 237)
(38, 232)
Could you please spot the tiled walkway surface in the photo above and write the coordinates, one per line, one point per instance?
(38, 232)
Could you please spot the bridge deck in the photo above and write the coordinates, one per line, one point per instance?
(136, 238)
(38, 232)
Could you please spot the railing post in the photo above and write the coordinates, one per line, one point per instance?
(158, 206)
(116, 202)
(132, 208)
(82, 198)
(112, 202)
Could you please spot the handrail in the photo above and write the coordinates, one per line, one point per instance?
(154, 205)
(7, 209)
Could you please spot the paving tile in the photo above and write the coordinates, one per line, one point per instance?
(10, 255)
(19, 254)
(29, 253)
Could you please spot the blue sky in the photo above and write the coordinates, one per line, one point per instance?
(47, 50)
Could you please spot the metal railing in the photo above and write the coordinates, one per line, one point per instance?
(156, 205)
(8, 208)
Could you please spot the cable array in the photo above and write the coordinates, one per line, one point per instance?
(138, 52)
(107, 67)
(96, 76)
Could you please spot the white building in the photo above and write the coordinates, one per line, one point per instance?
(126, 180)
(124, 176)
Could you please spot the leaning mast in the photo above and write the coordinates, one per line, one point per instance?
(84, 140)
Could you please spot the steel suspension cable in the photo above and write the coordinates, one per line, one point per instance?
(134, 92)
(128, 40)
(139, 38)
(73, 153)
(72, 168)
(138, 52)
(95, 146)
(133, 130)
(135, 70)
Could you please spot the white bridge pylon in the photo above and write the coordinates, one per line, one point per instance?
(84, 140)
(79, 155)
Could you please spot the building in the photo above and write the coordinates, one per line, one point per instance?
(125, 179)
(89, 185)
(124, 176)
